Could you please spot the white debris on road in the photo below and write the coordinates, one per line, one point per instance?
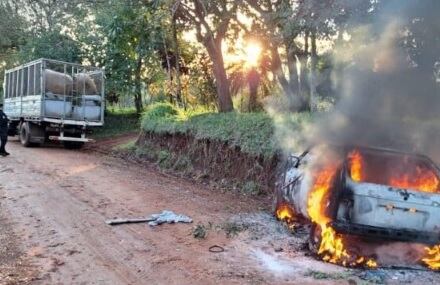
(168, 217)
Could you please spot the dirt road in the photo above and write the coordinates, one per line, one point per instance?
(53, 204)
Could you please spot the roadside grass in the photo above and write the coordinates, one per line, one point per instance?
(126, 147)
(260, 136)
(318, 275)
(117, 122)
(252, 133)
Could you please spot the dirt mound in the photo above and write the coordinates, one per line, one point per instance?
(213, 160)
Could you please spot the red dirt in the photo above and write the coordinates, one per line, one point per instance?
(58, 200)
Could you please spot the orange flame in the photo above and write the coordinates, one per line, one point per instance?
(285, 213)
(332, 248)
(355, 164)
(422, 179)
(319, 195)
(432, 259)
(407, 175)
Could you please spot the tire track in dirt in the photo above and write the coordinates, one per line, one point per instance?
(64, 197)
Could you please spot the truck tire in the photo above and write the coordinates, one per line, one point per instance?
(13, 129)
(72, 145)
(25, 134)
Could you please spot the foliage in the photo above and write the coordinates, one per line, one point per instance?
(53, 45)
(12, 35)
(12, 25)
(134, 35)
(48, 15)
(199, 83)
(178, 49)
(200, 231)
(160, 110)
(211, 21)
(118, 122)
(252, 188)
(253, 133)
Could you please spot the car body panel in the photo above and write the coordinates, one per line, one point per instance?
(370, 209)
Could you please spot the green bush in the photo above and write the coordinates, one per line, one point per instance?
(118, 122)
(160, 110)
(252, 133)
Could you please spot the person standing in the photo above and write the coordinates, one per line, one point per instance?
(3, 131)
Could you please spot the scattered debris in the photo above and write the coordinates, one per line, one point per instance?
(155, 219)
(278, 249)
(128, 221)
(232, 228)
(373, 276)
(216, 249)
(168, 217)
(200, 231)
(318, 275)
(56, 244)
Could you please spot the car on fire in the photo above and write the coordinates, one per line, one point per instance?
(376, 193)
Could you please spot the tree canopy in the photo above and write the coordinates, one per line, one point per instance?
(198, 52)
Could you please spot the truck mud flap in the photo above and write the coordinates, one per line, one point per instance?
(37, 133)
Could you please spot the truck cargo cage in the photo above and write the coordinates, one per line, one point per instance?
(55, 91)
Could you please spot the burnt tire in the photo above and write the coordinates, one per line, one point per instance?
(73, 145)
(314, 238)
(278, 198)
(25, 134)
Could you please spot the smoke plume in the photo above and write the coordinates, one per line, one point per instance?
(389, 89)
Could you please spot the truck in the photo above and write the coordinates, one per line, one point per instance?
(52, 100)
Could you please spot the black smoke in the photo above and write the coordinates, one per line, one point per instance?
(390, 91)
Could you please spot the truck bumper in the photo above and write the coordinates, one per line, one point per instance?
(70, 139)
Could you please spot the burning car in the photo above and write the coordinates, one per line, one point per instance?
(373, 193)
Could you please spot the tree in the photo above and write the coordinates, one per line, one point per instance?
(51, 15)
(53, 45)
(294, 26)
(12, 35)
(134, 37)
(211, 20)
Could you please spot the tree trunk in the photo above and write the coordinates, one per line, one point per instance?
(177, 54)
(313, 62)
(277, 69)
(167, 59)
(254, 81)
(138, 83)
(222, 82)
(304, 88)
(337, 71)
(292, 66)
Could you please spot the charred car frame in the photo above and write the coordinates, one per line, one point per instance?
(373, 206)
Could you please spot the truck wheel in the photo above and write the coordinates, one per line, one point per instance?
(13, 129)
(25, 134)
(73, 145)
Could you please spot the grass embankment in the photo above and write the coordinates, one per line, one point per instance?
(118, 122)
(236, 150)
(252, 133)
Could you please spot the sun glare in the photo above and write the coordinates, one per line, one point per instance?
(252, 53)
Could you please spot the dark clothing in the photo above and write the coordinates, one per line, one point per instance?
(3, 132)
(3, 141)
(3, 124)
